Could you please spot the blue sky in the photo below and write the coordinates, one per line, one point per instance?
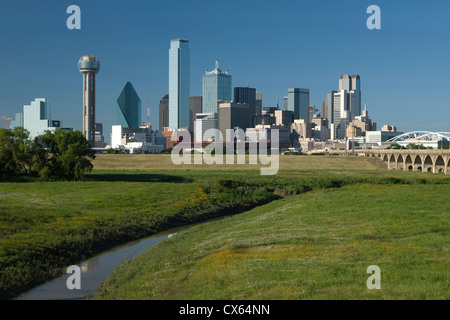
(274, 45)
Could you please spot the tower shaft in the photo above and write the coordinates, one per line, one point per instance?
(89, 106)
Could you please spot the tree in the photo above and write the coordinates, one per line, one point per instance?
(8, 167)
(27, 153)
(69, 154)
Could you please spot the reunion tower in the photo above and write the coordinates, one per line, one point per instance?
(89, 66)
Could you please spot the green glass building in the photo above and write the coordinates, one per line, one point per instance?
(129, 108)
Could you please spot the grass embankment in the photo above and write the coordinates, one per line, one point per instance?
(44, 227)
(317, 245)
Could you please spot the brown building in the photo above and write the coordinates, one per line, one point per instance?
(195, 106)
(232, 115)
(164, 112)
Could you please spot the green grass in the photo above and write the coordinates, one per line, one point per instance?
(317, 245)
(46, 226)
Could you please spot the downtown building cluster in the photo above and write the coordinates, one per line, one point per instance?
(339, 122)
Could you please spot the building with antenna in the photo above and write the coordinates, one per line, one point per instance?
(216, 87)
(360, 125)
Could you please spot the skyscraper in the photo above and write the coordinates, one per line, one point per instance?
(328, 107)
(246, 95)
(89, 66)
(37, 117)
(164, 112)
(232, 115)
(352, 84)
(195, 107)
(129, 107)
(259, 104)
(216, 86)
(298, 102)
(342, 114)
(179, 84)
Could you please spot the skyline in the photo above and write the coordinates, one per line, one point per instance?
(42, 63)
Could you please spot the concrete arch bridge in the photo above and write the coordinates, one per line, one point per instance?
(424, 160)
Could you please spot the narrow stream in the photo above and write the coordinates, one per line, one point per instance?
(95, 270)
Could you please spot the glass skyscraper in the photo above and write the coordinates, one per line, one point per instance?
(298, 102)
(216, 86)
(179, 84)
(129, 107)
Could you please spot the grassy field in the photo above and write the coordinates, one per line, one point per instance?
(313, 246)
(44, 227)
(164, 162)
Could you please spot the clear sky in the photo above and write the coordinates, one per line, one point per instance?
(274, 45)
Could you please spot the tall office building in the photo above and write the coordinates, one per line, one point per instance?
(129, 107)
(164, 112)
(311, 112)
(342, 114)
(352, 84)
(328, 107)
(216, 87)
(284, 118)
(179, 84)
(246, 95)
(89, 65)
(259, 104)
(195, 107)
(298, 102)
(285, 103)
(233, 115)
(37, 117)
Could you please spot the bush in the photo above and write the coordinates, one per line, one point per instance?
(55, 155)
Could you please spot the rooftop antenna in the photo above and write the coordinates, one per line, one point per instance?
(278, 106)
(248, 84)
(217, 63)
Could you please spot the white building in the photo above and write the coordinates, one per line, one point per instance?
(203, 122)
(36, 118)
(136, 140)
(342, 113)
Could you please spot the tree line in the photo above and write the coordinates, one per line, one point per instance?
(56, 155)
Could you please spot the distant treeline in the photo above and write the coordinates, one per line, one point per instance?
(57, 155)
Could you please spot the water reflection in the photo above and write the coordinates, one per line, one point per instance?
(93, 272)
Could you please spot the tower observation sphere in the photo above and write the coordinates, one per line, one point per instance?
(89, 65)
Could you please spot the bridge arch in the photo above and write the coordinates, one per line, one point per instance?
(409, 163)
(428, 165)
(417, 166)
(400, 162)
